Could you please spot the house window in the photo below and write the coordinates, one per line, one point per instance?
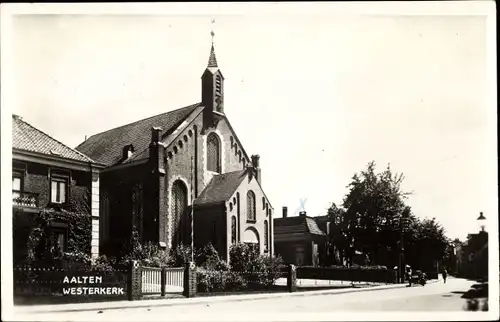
(179, 207)
(233, 229)
(17, 186)
(250, 206)
(266, 236)
(213, 153)
(58, 189)
(58, 241)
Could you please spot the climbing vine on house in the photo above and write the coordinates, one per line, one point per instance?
(32, 232)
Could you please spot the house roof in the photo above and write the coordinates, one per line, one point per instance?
(107, 147)
(221, 187)
(28, 138)
(299, 224)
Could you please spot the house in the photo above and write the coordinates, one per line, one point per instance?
(299, 240)
(50, 177)
(181, 168)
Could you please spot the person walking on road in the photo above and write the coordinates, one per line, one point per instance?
(445, 274)
(408, 274)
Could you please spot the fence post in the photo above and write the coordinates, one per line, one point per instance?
(134, 281)
(189, 280)
(291, 282)
(163, 281)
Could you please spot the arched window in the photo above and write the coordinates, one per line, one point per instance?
(233, 230)
(179, 206)
(250, 206)
(266, 235)
(213, 153)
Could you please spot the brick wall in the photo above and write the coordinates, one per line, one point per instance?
(117, 185)
(36, 180)
(204, 220)
(261, 213)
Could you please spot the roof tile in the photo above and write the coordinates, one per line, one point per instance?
(27, 137)
(221, 187)
(107, 147)
(296, 224)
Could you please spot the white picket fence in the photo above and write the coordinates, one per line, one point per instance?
(151, 280)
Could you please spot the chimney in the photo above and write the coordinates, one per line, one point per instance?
(285, 212)
(155, 134)
(156, 150)
(255, 164)
(250, 171)
(302, 213)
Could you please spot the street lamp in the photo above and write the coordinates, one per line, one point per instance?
(481, 221)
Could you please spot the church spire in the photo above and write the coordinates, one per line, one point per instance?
(212, 61)
(212, 83)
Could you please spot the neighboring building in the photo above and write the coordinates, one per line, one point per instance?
(49, 176)
(299, 240)
(474, 256)
(158, 167)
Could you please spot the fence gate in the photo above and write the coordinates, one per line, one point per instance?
(173, 280)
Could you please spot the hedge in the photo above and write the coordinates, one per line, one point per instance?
(377, 274)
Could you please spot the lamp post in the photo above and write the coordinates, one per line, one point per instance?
(403, 227)
(482, 222)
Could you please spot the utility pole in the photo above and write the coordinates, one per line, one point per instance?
(401, 250)
(192, 212)
(403, 223)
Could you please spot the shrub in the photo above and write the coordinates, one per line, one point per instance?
(243, 258)
(235, 281)
(272, 269)
(180, 255)
(213, 281)
(255, 268)
(209, 258)
(149, 254)
(209, 280)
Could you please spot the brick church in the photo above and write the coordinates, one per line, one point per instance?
(164, 169)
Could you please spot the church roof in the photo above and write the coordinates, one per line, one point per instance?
(28, 138)
(298, 224)
(221, 187)
(107, 147)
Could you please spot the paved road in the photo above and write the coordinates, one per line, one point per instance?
(432, 297)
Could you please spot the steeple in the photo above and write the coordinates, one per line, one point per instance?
(212, 61)
(212, 83)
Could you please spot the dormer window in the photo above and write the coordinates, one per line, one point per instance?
(128, 150)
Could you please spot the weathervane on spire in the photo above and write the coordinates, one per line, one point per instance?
(212, 33)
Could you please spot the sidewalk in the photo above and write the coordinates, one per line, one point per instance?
(79, 307)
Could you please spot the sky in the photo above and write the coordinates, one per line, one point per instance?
(317, 93)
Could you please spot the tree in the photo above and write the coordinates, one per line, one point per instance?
(373, 207)
(429, 244)
(337, 237)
